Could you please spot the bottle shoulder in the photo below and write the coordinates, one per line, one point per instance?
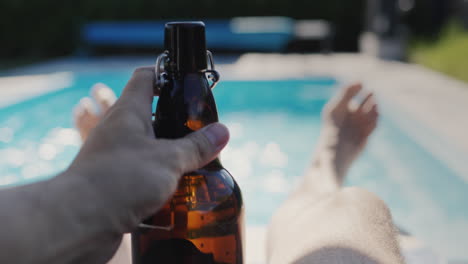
(213, 187)
(219, 175)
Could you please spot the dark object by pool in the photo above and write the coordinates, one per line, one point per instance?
(263, 34)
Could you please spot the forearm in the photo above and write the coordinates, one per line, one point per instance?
(54, 221)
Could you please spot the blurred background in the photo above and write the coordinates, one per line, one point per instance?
(280, 62)
(417, 30)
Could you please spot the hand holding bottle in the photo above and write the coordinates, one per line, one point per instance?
(121, 175)
(132, 173)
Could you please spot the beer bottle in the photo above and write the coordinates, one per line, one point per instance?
(203, 221)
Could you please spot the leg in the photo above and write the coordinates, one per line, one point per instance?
(347, 226)
(324, 223)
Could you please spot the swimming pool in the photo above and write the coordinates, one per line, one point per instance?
(274, 127)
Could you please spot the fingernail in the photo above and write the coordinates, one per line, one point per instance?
(217, 134)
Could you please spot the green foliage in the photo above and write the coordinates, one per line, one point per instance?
(51, 27)
(447, 54)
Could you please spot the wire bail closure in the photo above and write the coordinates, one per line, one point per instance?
(162, 76)
(212, 74)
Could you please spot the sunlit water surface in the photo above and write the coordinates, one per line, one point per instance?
(274, 127)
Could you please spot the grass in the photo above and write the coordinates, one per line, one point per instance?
(448, 54)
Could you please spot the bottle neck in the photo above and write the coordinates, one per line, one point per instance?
(184, 106)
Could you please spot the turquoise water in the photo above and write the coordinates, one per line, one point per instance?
(274, 127)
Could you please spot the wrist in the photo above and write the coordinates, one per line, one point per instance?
(77, 201)
(106, 202)
(74, 222)
(56, 220)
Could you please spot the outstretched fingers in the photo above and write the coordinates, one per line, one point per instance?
(369, 115)
(349, 93)
(367, 104)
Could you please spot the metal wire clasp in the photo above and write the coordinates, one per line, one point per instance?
(162, 77)
(212, 74)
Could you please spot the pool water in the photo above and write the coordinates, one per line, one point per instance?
(274, 127)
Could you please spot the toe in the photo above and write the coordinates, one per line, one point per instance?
(84, 109)
(104, 97)
(85, 116)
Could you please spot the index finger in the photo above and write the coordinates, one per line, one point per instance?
(139, 92)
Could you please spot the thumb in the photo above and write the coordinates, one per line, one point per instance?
(201, 147)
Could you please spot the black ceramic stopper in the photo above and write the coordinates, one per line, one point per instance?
(186, 44)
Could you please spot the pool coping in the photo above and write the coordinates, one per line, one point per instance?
(15, 89)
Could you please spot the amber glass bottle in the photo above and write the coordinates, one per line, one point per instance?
(203, 221)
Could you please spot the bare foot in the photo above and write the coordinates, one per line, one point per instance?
(86, 115)
(346, 128)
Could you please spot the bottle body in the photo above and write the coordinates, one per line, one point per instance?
(203, 221)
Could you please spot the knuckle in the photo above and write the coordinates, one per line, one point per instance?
(159, 185)
(198, 148)
(167, 182)
(139, 70)
(143, 73)
(121, 116)
(116, 111)
(187, 153)
(169, 155)
(177, 158)
(171, 181)
(182, 155)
